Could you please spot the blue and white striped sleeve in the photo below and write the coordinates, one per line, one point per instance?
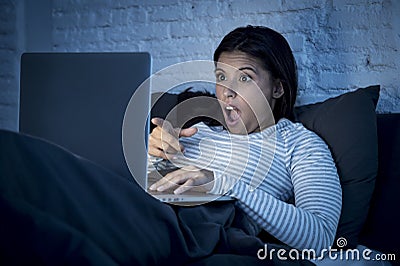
(312, 221)
(317, 190)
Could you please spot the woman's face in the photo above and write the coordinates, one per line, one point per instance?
(246, 92)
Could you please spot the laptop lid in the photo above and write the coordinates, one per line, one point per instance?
(78, 101)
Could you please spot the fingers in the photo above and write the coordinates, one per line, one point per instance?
(188, 132)
(157, 121)
(163, 141)
(185, 179)
(171, 180)
(166, 125)
(185, 187)
(155, 151)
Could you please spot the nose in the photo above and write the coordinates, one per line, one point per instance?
(228, 93)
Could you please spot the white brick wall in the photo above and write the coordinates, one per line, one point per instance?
(339, 44)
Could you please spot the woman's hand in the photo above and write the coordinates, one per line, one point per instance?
(164, 139)
(187, 178)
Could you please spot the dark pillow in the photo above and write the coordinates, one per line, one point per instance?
(347, 123)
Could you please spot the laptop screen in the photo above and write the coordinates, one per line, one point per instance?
(78, 101)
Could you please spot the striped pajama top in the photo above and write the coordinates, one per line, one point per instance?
(284, 179)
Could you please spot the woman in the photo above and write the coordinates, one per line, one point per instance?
(60, 209)
(298, 196)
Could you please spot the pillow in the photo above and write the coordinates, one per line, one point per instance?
(347, 123)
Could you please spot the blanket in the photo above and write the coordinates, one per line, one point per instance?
(59, 208)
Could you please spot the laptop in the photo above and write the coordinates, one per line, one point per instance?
(80, 102)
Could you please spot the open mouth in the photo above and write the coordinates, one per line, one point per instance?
(232, 115)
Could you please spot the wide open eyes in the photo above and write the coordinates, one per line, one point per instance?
(245, 78)
(242, 78)
(220, 77)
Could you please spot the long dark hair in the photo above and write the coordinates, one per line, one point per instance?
(272, 49)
